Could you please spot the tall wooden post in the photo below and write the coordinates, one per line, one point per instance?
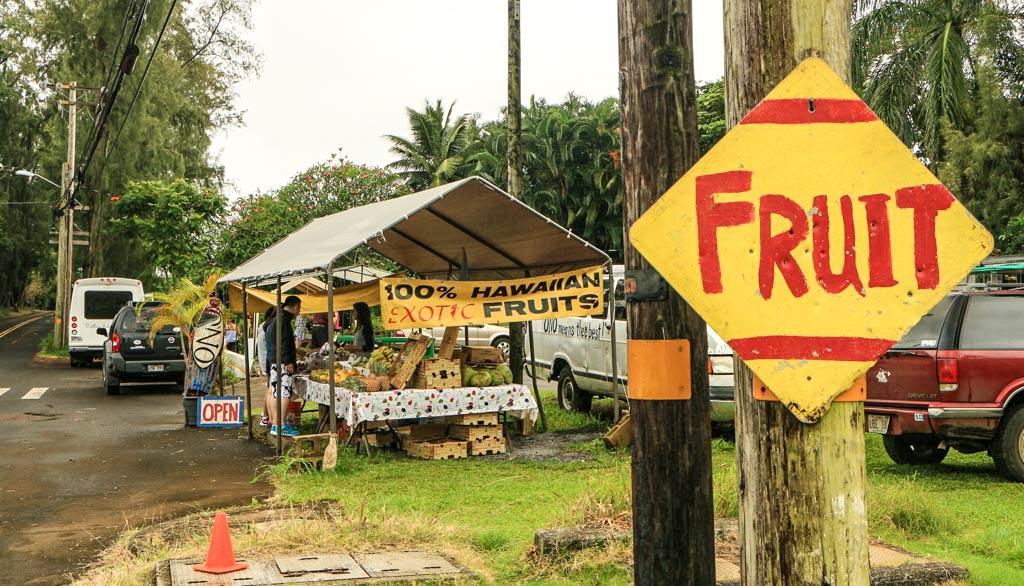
(516, 338)
(673, 516)
(248, 365)
(801, 499)
(66, 227)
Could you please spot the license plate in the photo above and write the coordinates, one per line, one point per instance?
(878, 423)
(154, 367)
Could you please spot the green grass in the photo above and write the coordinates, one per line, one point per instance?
(486, 511)
(47, 349)
(4, 312)
(960, 511)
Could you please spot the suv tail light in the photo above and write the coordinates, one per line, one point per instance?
(949, 374)
(115, 343)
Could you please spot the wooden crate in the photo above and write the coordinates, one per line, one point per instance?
(437, 373)
(422, 432)
(474, 419)
(487, 446)
(451, 336)
(439, 449)
(407, 360)
(481, 355)
(475, 432)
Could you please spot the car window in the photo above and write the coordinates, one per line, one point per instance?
(104, 304)
(925, 334)
(993, 323)
(135, 323)
(620, 300)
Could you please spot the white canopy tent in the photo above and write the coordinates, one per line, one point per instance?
(468, 229)
(432, 233)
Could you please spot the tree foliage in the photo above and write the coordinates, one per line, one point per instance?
(258, 221)
(435, 154)
(984, 164)
(187, 94)
(915, 61)
(174, 224)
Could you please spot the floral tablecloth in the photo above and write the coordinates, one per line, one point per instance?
(356, 408)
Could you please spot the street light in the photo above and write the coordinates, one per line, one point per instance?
(65, 251)
(31, 175)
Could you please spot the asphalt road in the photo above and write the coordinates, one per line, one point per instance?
(78, 466)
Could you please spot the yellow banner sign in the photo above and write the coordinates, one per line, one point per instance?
(411, 303)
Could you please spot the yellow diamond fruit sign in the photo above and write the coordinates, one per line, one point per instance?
(810, 238)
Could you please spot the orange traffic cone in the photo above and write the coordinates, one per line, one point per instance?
(220, 559)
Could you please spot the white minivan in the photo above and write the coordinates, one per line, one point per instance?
(94, 303)
(576, 352)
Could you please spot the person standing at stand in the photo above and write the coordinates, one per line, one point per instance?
(281, 383)
(319, 330)
(363, 334)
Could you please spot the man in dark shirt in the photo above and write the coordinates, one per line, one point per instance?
(282, 384)
(319, 330)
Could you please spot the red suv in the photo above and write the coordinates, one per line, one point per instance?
(956, 380)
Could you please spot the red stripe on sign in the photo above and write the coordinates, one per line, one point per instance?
(810, 348)
(810, 111)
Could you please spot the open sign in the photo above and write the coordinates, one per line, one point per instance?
(220, 411)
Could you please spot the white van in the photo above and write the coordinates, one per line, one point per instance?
(576, 352)
(94, 303)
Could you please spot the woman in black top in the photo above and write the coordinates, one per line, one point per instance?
(363, 335)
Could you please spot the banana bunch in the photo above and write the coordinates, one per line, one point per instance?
(382, 359)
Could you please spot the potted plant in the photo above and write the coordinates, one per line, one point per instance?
(192, 309)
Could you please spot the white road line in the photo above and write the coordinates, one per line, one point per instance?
(4, 390)
(36, 393)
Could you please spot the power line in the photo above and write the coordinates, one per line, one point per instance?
(113, 66)
(131, 54)
(138, 89)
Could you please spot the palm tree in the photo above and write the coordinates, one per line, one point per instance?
(181, 307)
(914, 61)
(435, 153)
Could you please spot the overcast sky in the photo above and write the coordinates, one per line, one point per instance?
(338, 74)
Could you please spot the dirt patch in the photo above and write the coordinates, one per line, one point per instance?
(553, 447)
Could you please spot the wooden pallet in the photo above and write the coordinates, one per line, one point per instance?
(407, 360)
(621, 434)
(474, 419)
(437, 373)
(487, 446)
(475, 432)
(439, 449)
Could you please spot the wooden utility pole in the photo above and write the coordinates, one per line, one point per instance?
(801, 497)
(66, 227)
(516, 338)
(673, 516)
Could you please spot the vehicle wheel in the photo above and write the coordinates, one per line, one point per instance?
(918, 451)
(1008, 446)
(570, 397)
(502, 343)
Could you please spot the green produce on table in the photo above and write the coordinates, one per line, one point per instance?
(481, 379)
(467, 376)
(506, 373)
